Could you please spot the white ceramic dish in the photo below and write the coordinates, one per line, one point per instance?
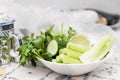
(93, 32)
(73, 69)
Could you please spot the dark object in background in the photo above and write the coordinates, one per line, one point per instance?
(111, 18)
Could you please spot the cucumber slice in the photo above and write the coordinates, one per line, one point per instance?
(54, 60)
(69, 60)
(70, 53)
(98, 51)
(77, 47)
(58, 59)
(52, 47)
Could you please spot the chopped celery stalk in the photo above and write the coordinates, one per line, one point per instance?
(54, 60)
(69, 60)
(58, 59)
(77, 47)
(61, 51)
(98, 51)
(71, 53)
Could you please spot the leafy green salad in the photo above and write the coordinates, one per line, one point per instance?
(63, 47)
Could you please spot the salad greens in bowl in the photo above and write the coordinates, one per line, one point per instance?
(66, 51)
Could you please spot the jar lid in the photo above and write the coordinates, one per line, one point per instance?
(5, 20)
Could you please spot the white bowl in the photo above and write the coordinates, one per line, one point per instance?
(93, 32)
(74, 69)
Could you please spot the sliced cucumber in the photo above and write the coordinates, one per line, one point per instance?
(54, 60)
(98, 51)
(70, 53)
(69, 60)
(52, 47)
(58, 59)
(77, 47)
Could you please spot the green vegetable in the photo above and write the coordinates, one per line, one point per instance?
(39, 46)
(62, 47)
(77, 47)
(69, 60)
(6, 43)
(98, 51)
(70, 53)
(58, 59)
(54, 60)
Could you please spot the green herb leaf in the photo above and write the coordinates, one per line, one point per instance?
(47, 56)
